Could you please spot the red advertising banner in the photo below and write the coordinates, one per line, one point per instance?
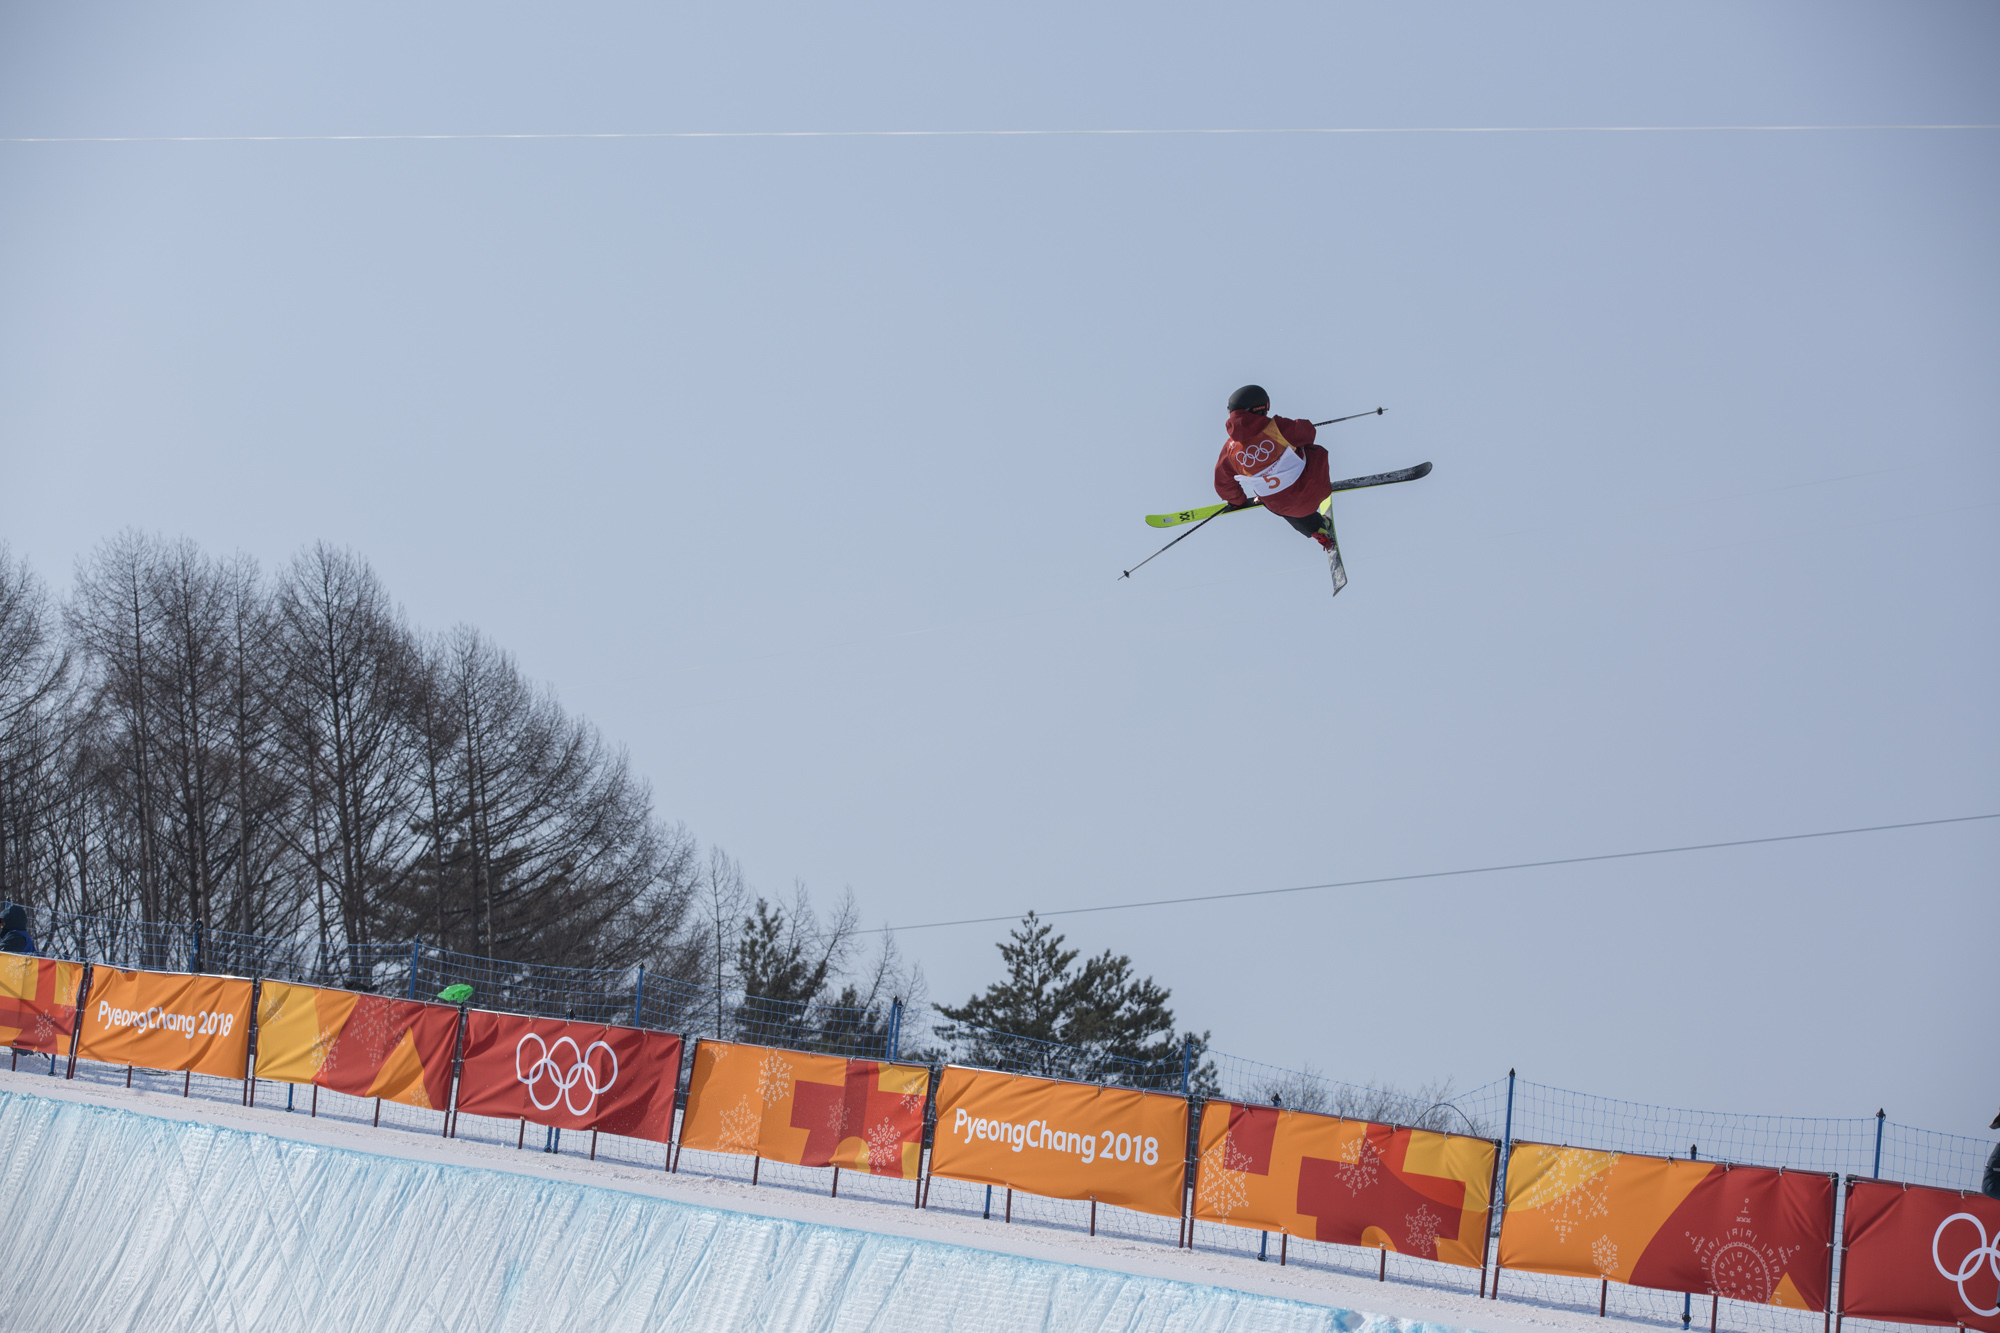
(1347, 1181)
(38, 1003)
(363, 1045)
(1916, 1255)
(1750, 1233)
(570, 1075)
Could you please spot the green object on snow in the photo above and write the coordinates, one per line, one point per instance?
(459, 994)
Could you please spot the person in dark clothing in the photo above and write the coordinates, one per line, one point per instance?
(1273, 461)
(1991, 1189)
(14, 936)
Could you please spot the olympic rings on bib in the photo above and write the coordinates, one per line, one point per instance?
(579, 1072)
(1985, 1254)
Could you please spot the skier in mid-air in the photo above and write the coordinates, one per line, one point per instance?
(1273, 461)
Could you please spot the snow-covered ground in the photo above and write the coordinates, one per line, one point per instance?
(141, 1209)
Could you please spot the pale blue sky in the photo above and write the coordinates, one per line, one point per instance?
(805, 467)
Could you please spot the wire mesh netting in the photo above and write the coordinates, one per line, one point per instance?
(1544, 1114)
(1438, 1107)
(986, 1048)
(415, 970)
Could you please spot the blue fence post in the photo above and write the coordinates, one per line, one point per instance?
(895, 1026)
(1499, 1201)
(639, 998)
(1687, 1297)
(415, 945)
(1187, 1062)
(1876, 1174)
(194, 947)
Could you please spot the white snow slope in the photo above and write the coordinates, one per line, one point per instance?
(130, 1210)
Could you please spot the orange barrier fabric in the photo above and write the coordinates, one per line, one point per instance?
(38, 1003)
(1750, 1233)
(570, 1075)
(167, 1020)
(809, 1110)
(1062, 1140)
(1346, 1181)
(364, 1045)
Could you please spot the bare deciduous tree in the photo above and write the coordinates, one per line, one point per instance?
(348, 661)
(35, 677)
(191, 742)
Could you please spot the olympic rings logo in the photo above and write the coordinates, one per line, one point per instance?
(1985, 1254)
(579, 1074)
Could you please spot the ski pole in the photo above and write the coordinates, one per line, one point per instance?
(1337, 420)
(1176, 541)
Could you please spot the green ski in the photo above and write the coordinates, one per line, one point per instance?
(1174, 520)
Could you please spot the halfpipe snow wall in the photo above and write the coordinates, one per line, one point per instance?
(116, 1220)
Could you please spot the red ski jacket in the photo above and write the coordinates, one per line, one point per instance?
(1273, 459)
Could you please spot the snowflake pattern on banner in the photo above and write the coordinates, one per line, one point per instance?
(885, 1147)
(1360, 1170)
(43, 1029)
(321, 1048)
(913, 1102)
(1604, 1253)
(1572, 1187)
(739, 1128)
(838, 1117)
(1423, 1225)
(17, 973)
(1740, 1266)
(774, 1078)
(369, 1034)
(1222, 1178)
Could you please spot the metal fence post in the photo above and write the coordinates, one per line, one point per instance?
(1187, 1061)
(895, 1027)
(415, 945)
(194, 948)
(1687, 1298)
(1877, 1172)
(1499, 1200)
(639, 998)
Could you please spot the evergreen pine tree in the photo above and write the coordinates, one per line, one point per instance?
(1092, 1021)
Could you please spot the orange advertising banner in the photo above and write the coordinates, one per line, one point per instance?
(1751, 1233)
(167, 1020)
(1062, 1140)
(809, 1110)
(1347, 1181)
(38, 1003)
(364, 1045)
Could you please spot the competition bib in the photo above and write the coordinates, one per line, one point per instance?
(1289, 465)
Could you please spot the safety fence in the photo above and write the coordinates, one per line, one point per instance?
(1513, 1189)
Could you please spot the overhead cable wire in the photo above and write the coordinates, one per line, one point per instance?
(1444, 874)
(970, 134)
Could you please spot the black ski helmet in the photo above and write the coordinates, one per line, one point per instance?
(1249, 398)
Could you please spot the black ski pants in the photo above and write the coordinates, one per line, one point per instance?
(1312, 525)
